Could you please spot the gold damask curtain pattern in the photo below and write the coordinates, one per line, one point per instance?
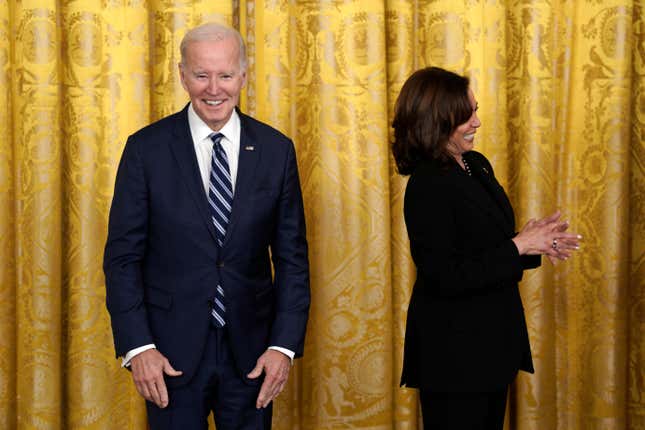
(560, 87)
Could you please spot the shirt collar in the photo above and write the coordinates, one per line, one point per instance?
(201, 131)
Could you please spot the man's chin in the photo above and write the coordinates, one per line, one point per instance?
(215, 121)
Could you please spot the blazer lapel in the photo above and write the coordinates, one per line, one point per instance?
(250, 151)
(478, 193)
(184, 152)
(494, 189)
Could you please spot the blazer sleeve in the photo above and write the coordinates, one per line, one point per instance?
(444, 265)
(291, 264)
(124, 252)
(528, 261)
(531, 261)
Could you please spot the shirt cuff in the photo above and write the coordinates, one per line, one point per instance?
(130, 355)
(285, 351)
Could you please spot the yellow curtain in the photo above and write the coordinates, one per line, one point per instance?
(561, 88)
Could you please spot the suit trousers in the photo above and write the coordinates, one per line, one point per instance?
(216, 386)
(463, 411)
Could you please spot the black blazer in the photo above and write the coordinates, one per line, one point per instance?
(465, 329)
(162, 263)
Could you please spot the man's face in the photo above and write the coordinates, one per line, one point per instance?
(213, 78)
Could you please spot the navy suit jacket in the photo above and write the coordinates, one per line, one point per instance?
(466, 330)
(162, 263)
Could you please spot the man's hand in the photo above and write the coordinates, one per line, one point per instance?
(148, 369)
(275, 366)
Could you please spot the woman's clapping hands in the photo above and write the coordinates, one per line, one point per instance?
(547, 236)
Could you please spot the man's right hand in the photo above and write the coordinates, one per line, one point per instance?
(148, 369)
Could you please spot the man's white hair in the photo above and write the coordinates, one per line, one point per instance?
(213, 31)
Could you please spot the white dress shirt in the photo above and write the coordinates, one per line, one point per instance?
(201, 132)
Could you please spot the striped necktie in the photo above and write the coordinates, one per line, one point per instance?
(220, 199)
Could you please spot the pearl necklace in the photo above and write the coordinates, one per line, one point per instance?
(466, 166)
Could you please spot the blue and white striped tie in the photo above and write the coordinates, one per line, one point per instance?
(220, 199)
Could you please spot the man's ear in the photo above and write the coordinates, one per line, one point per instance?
(244, 79)
(182, 76)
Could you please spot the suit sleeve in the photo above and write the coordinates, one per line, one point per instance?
(290, 261)
(124, 252)
(442, 265)
(531, 261)
(528, 261)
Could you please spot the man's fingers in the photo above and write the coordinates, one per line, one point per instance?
(170, 371)
(163, 394)
(271, 382)
(257, 371)
(154, 393)
(275, 366)
(277, 390)
(270, 389)
(262, 396)
(142, 389)
(148, 370)
(160, 391)
(275, 385)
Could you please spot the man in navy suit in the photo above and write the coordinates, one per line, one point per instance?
(206, 266)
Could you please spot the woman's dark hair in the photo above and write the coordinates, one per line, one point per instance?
(431, 104)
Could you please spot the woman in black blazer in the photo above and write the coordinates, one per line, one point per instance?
(466, 336)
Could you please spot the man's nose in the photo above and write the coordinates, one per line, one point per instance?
(213, 85)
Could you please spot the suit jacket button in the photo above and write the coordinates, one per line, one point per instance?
(220, 264)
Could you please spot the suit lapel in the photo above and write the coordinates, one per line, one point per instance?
(485, 176)
(184, 152)
(477, 192)
(250, 149)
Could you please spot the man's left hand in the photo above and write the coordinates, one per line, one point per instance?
(275, 366)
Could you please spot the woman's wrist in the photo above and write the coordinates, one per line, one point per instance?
(519, 245)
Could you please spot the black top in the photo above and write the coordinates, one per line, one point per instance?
(466, 329)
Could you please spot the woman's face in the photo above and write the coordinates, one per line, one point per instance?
(463, 137)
